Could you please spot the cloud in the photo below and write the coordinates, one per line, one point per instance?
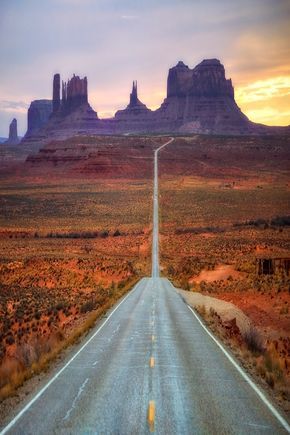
(264, 89)
(13, 106)
(129, 17)
(266, 101)
(269, 116)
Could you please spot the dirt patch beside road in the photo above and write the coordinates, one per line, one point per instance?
(226, 310)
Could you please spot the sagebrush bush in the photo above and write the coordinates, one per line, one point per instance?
(254, 341)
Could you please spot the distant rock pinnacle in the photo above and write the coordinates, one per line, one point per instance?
(13, 136)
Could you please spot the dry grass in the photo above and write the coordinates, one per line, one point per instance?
(15, 372)
(264, 360)
(72, 206)
(68, 252)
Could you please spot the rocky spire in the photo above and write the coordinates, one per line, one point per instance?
(134, 94)
(63, 92)
(135, 107)
(74, 93)
(13, 136)
(56, 93)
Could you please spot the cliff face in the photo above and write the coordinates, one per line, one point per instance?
(199, 100)
(38, 114)
(74, 94)
(179, 81)
(209, 80)
(205, 80)
(202, 100)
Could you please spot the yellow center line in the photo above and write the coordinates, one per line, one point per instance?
(152, 362)
(153, 338)
(151, 415)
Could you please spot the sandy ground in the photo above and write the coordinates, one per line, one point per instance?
(264, 310)
(226, 310)
(221, 272)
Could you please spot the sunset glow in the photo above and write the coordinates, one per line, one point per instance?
(266, 101)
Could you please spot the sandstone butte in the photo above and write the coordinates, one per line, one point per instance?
(199, 100)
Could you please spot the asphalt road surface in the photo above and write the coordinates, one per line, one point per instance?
(149, 366)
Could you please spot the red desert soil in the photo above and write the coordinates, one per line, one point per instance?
(221, 272)
(263, 310)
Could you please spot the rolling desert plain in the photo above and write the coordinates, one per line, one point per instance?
(193, 194)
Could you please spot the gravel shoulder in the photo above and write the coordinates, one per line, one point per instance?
(226, 310)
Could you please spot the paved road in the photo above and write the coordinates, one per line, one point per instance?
(150, 366)
(155, 237)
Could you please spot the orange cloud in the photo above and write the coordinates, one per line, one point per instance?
(266, 101)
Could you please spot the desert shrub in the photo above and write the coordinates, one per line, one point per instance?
(270, 380)
(37, 315)
(198, 230)
(87, 306)
(254, 341)
(10, 340)
(61, 306)
(281, 221)
(74, 235)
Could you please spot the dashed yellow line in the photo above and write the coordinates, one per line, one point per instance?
(153, 338)
(151, 415)
(152, 362)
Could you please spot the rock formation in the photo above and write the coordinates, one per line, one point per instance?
(74, 107)
(199, 100)
(202, 100)
(13, 136)
(56, 93)
(38, 115)
(74, 93)
(134, 95)
(135, 116)
(58, 119)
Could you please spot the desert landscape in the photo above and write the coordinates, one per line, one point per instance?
(225, 234)
(144, 217)
(70, 247)
(74, 243)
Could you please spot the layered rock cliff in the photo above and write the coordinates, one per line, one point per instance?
(202, 100)
(74, 94)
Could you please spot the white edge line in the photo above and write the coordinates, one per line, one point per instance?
(36, 397)
(264, 399)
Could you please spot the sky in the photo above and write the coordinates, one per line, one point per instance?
(114, 42)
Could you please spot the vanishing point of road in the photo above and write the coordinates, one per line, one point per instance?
(149, 366)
